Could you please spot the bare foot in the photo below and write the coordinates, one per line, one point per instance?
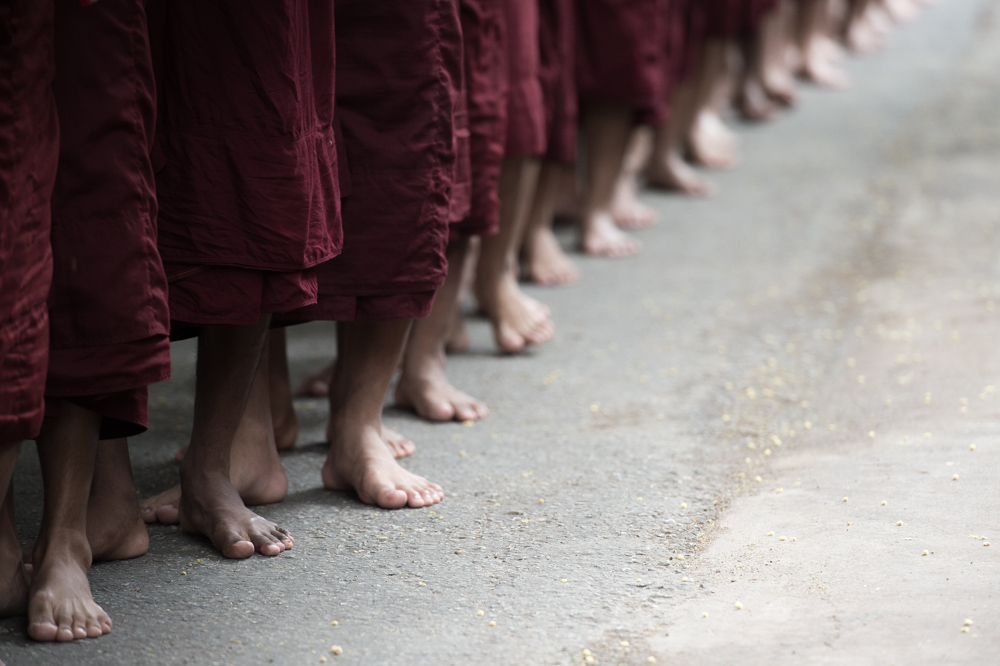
(212, 507)
(317, 384)
(822, 67)
(518, 320)
(626, 209)
(753, 102)
(458, 338)
(13, 576)
(712, 143)
(427, 391)
(115, 528)
(359, 461)
(547, 264)
(399, 446)
(602, 238)
(673, 173)
(61, 606)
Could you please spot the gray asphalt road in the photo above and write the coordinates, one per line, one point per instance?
(611, 497)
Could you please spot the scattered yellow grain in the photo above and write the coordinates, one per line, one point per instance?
(927, 435)
(972, 447)
(725, 418)
(336, 649)
(684, 505)
(651, 659)
(758, 479)
(791, 538)
(779, 490)
(563, 580)
(808, 425)
(770, 534)
(844, 500)
(334, 623)
(751, 393)
(925, 553)
(954, 477)
(595, 407)
(965, 630)
(493, 623)
(461, 453)
(738, 606)
(782, 538)
(480, 613)
(899, 523)
(968, 623)
(624, 643)
(681, 557)
(421, 584)
(767, 452)
(468, 423)
(884, 502)
(861, 379)
(705, 614)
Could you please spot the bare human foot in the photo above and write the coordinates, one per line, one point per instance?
(399, 445)
(712, 144)
(603, 238)
(425, 389)
(115, 528)
(626, 209)
(60, 605)
(547, 264)
(673, 173)
(457, 341)
(359, 461)
(518, 320)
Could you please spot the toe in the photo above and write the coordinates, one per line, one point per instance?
(392, 498)
(267, 545)
(415, 498)
(43, 630)
(438, 410)
(168, 514)
(80, 629)
(94, 628)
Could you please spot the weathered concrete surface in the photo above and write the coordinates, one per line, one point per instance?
(873, 208)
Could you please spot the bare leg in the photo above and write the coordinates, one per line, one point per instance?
(457, 341)
(210, 504)
(423, 384)
(60, 605)
(115, 528)
(317, 384)
(752, 99)
(606, 130)
(547, 263)
(367, 355)
(13, 577)
(820, 54)
(518, 320)
(286, 424)
(626, 209)
(711, 143)
(776, 76)
(667, 168)
(255, 469)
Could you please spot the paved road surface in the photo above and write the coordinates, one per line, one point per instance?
(849, 270)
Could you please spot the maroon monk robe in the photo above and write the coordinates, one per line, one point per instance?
(29, 137)
(525, 105)
(246, 155)
(620, 54)
(557, 75)
(735, 19)
(484, 75)
(399, 65)
(108, 304)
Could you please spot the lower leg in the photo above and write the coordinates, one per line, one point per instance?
(423, 383)
(667, 167)
(606, 130)
(115, 528)
(775, 74)
(819, 52)
(286, 424)
(60, 605)
(626, 209)
(228, 360)
(517, 319)
(358, 460)
(547, 264)
(752, 99)
(255, 468)
(13, 577)
(711, 142)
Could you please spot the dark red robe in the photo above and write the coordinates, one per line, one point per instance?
(485, 77)
(108, 305)
(399, 67)
(525, 105)
(246, 155)
(620, 54)
(29, 137)
(557, 75)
